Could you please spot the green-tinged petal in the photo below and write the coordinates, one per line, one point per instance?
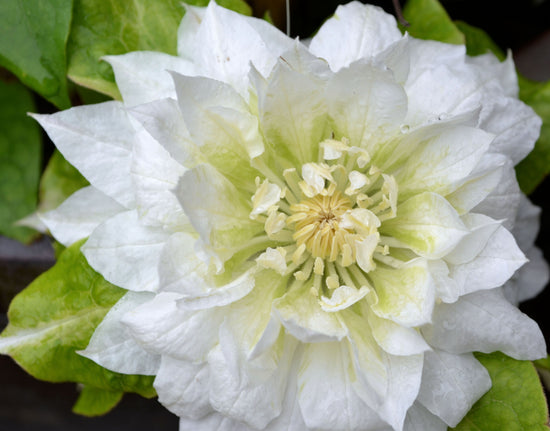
(293, 114)
(442, 161)
(97, 140)
(218, 211)
(33, 34)
(396, 339)
(365, 105)
(302, 316)
(127, 252)
(515, 402)
(219, 122)
(427, 224)
(80, 214)
(451, 384)
(484, 322)
(19, 156)
(55, 316)
(111, 345)
(353, 33)
(405, 295)
(327, 397)
(144, 76)
(101, 27)
(95, 401)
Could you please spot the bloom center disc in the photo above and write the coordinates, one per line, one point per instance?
(318, 224)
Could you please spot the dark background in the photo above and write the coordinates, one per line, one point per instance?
(27, 404)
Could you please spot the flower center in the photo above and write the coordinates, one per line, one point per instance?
(318, 224)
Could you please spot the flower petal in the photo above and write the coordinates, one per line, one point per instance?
(492, 266)
(427, 224)
(365, 104)
(212, 422)
(218, 211)
(420, 419)
(80, 214)
(113, 348)
(292, 113)
(143, 76)
(182, 387)
(97, 140)
(160, 326)
(303, 317)
(405, 295)
(126, 252)
(354, 32)
(451, 384)
(485, 321)
(327, 398)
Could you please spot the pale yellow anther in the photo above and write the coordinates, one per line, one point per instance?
(276, 221)
(347, 255)
(298, 253)
(332, 282)
(319, 267)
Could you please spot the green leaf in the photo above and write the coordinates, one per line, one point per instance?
(429, 20)
(110, 27)
(515, 402)
(59, 181)
(95, 402)
(532, 170)
(478, 42)
(20, 149)
(239, 6)
(33, 35)
(55, 316)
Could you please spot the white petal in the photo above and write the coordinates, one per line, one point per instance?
(227, 42)
(160, 326)
(405, 295)
(515, 125)
(365, 104)
(155, 176)
(420, 419)
(111, 345)
(327, 398)
(292, 113)
(427, 224)
(143, 76)
(182, 387)
(188, 28)
(451, 384)
(492, 267)
(273, 259)
(79, 215)
(97, 140)
(212, 422)
(530, 279)
(476, 187)
(126, 252)
(439, 164)
(396, 339)
(218, 211)
(303, 317)
(342, 297)
(354, 32)
(502, 203)
(234, 395)
(164, 121)
(220, 296)
(485, 322)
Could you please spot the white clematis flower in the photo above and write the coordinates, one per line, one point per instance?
(312, 238)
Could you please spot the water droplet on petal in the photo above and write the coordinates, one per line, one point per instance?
(405, 128)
